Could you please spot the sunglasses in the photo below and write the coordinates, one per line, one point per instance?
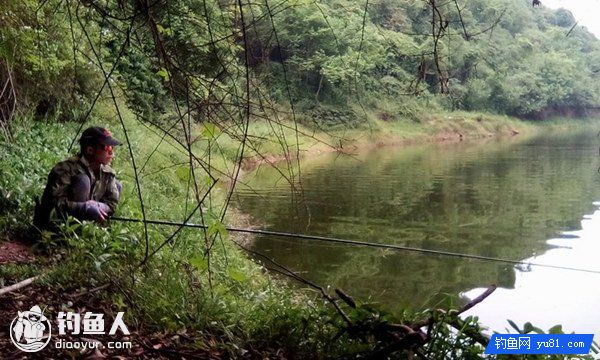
(107, 148)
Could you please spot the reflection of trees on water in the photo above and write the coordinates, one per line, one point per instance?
(493, 200)
(545, 296)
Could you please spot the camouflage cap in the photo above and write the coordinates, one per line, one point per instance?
(96, 135)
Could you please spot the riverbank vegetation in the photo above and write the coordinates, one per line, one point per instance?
(330, 62)
(200, 90)
(185, 300)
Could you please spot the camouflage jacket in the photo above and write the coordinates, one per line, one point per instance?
(57, 192)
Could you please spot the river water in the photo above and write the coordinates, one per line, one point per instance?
(534, 199)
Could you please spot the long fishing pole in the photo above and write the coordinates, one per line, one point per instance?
(360, 243)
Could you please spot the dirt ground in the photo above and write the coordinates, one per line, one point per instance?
(14, 252)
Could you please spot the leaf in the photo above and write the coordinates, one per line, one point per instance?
(163, 73)
(217, 227)
(514, 326)
(183, 173)
(210, 131)
(556, 329)
(237, 275)
(163, 30)
(528, 328)
(119, 302)
(199, 262)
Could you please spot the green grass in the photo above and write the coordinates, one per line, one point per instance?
(237, 302)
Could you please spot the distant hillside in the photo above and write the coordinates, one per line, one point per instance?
(330, 61)
(505, 56)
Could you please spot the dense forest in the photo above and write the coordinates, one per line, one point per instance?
(329, 60)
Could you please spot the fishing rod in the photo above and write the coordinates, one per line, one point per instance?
(358, 243)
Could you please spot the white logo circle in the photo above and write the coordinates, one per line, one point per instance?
(30, 331)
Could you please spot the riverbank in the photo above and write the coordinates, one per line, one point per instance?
(428, 128)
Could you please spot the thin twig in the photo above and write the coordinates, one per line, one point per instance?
(89, 291)
(478, 299)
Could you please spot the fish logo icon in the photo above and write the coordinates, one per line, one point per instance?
(30, 331)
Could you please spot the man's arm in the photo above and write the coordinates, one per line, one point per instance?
(112, 194)
(55, 193)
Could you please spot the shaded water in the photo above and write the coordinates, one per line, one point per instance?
(515, 199)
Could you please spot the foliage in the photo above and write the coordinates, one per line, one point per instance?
(505, 56)
(182, 51)
(39, 49)
(26, 166)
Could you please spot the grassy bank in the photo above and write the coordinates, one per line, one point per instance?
(378, 131)
(225, 296)
(200, 285)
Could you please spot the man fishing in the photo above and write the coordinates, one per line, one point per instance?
(83, 186)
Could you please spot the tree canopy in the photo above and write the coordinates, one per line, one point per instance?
(506, 57)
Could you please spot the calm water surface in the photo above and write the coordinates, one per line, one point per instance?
(522, 199)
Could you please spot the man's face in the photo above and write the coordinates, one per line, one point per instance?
(102, 154)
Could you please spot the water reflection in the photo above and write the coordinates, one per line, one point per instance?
(547, 297)
(498, 199)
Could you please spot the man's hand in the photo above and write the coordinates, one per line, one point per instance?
(95, 210)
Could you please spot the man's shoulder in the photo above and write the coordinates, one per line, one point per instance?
(66, 166)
